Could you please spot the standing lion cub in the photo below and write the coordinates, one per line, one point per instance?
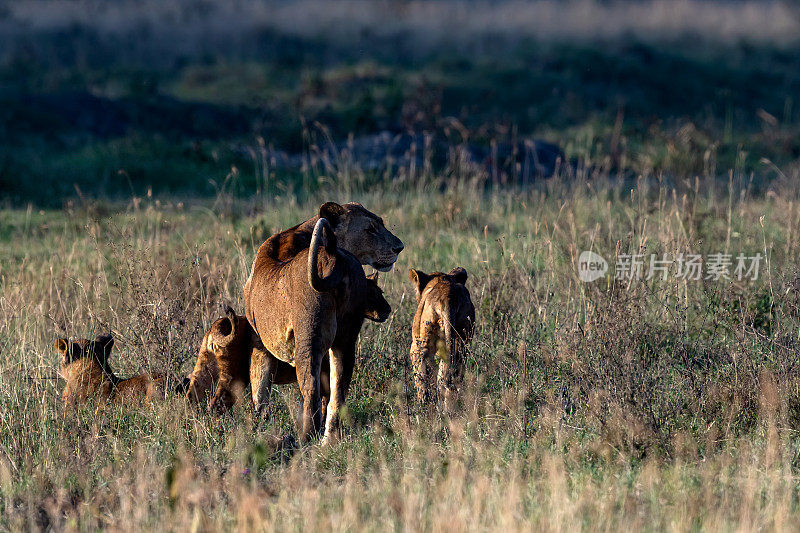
(443, 324)
(84, 364)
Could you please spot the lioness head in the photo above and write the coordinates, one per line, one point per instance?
(378, 309)
(98, 349)
(363, 234)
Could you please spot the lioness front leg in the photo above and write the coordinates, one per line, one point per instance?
(336, 395)
(342, 363)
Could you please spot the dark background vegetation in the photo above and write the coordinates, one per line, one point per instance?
(114, 105)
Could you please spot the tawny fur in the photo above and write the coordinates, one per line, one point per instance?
(300, 324)
(357, 230)
(85, 367)
(222, 367)
(267, 370)
(222, 370)
(443, 325)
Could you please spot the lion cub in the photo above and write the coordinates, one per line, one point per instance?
(222, 370)
(443, 324)
(85, 366)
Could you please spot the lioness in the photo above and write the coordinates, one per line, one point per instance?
(313, 304)
(85, 366)
(443, 324)
(277, 372)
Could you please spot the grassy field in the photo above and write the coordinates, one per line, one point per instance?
(650, 404)
(138, 176)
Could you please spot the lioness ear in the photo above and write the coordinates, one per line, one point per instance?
(460, 274)
(333, 212)
(419, 279)
(331, 242)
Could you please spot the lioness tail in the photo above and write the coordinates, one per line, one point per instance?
(318, 283)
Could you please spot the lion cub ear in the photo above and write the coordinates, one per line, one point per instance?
(332, 212)
(460, 274)
(419, 279)
(374, 276)
(69, 351)
(62, 347)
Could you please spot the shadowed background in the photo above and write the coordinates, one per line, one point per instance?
(112, 99)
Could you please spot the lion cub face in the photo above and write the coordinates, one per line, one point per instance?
(84, 364)
(377, 308)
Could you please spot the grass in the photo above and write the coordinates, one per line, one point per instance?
(655, 405)
(136, 182)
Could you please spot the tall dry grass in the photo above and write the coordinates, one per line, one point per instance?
(646, 404)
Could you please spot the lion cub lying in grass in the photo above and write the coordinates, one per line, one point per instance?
(85, 366)
(442, 326)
